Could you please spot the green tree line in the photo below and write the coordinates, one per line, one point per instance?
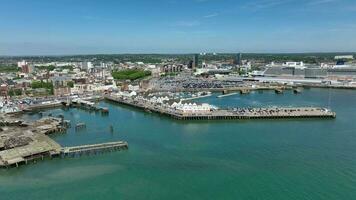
(4, 69)
(42, 84)
(130, 74)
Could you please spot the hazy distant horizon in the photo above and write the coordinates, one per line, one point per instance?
(174, 27)
(188, 53)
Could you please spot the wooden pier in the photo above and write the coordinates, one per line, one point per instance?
(51, 149)
(94, 148)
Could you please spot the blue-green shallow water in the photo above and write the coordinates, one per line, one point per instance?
(167, 159)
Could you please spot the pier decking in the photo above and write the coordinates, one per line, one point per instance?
(198, 97)
(229, 114)
(94, 148)
(41, 147)
(226, 95)
(82, 103)
(85, 105)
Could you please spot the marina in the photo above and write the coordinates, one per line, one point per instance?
(199, 151)
(178, 100)
(30, 142)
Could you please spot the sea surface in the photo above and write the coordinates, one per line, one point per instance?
(167, 159)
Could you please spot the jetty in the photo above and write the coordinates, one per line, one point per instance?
(85, 105)
(94, 148)
(278, 91)
(245, 91)
(81, 103)
(226, 95)
(228, 114)
(80, 126)
(43, 105)
(297, 90)
(197, 97)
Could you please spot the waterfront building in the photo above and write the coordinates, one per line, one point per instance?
(193, 108)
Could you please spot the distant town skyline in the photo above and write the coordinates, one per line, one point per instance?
(68, 27)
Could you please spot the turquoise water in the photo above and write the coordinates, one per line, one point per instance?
(167, 159)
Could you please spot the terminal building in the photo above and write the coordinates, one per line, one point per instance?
(172, 68)
(343, 68)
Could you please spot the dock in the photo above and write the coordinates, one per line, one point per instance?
(197, 97)
(94, 148)
(86, 105)
(81, 103)
(297, 90)
(278, 91)
(229, 114)
(44, 105)
(226, 95)
(80, 126)
(39, 148)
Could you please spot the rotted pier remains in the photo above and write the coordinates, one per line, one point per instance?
(23, 142)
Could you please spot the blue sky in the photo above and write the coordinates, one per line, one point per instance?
(47, 27)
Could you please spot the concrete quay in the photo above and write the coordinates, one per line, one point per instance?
(242, 89)
(229, 114)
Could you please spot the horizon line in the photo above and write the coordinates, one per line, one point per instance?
(97, 54)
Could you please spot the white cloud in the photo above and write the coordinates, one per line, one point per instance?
(318, 2)
(187, 23)
(263, 4)
(211, 15)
